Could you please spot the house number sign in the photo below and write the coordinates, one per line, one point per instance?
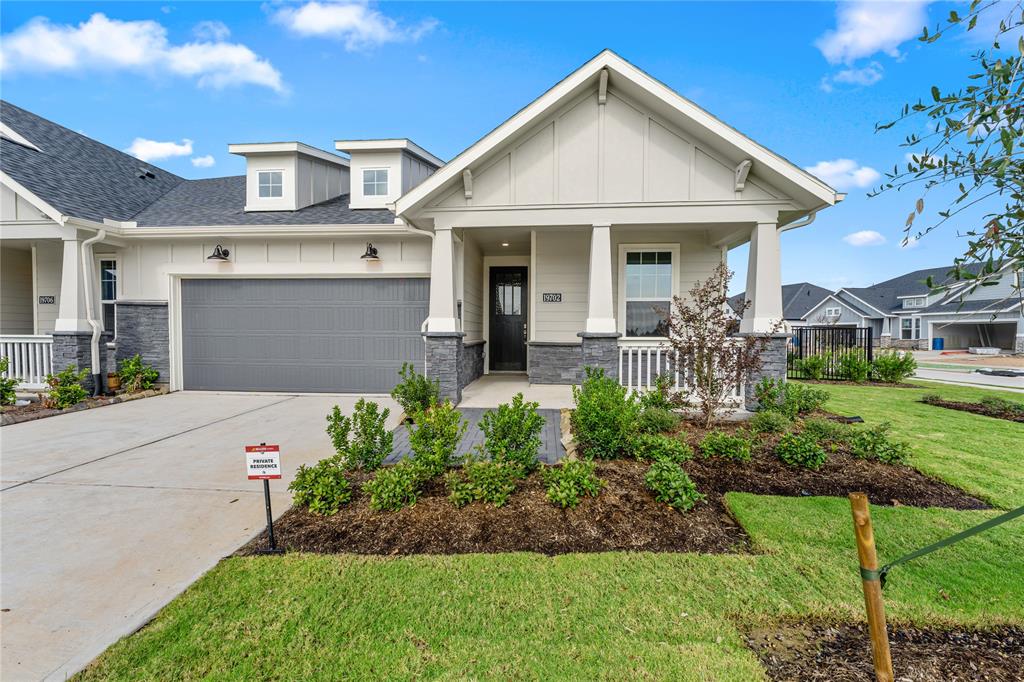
(47, 300)
(551, 298)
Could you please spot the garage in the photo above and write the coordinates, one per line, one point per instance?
(965, 335)
(302, 335)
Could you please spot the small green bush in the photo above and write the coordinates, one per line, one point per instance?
(671, 485)
(66, 388)
(655, 446)
(481, 480)
(893, 367)
(790, 398)
(415, 392)
(721, 444)
(996, 404)
(7, 384)
(361, 441)
(136, 376)
(828, 431)
(657, 420)
(801, 450)
(854, 365)
(569, 482)
(606, 417)
(660, 395)
(512, 433)
(875, 443)
(398, 486)
(814, 366)
(321, 488)
(769, 421)
(931, 398)
(435, 436)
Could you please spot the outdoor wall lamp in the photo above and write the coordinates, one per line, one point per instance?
(371, 252)
(219, 253)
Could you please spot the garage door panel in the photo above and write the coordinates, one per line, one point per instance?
(316, 335)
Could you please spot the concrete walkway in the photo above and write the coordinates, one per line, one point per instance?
(110, 513)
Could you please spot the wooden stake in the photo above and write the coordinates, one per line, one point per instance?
(872, 588)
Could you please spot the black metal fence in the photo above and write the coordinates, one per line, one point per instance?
(828, 352)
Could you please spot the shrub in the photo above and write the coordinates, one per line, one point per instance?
(801, 450)
(660, 395)
(371, 440)
(814, 366)
(66, 388)
(657, 420)
(931, 398)
(769, 421)
(396, 486)
(853, 365)
(569, 482)
(721, 444)
(606, 417)
(996, 404)
(792, 399)
(893, 367)
(482, 481)
(654, 446)
(435, 436)
(7, 385)
(339, 426)
(415, 392)
(321, 488)
(671, 485)
(828, 431)
(136, 376)
(874, 443)
(512, 433)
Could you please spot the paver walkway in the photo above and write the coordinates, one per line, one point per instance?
(551, 450)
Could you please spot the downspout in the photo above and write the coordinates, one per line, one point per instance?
(87, 273)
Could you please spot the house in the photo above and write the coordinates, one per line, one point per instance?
(549, 244)
(797, 300)
(904, 312)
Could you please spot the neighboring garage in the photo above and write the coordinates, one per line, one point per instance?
(966, 334)
(303, 335)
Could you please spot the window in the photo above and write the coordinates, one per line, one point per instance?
(375, 182)
(271, 184)
(108, 292)
(914, 302)
(910, 328)
(648, 278)
(833, 312)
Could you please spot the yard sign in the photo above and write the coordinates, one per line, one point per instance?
(263, 462)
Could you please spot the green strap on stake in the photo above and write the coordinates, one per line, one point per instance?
(880, 574)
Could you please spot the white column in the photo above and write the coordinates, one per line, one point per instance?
(442, 283)
(71, 313)
(600, 304)
(764, 280)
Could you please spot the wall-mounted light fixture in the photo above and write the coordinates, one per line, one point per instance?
(371, 252)
(504, 243)
(219, 253)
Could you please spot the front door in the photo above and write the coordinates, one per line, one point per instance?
(508, 319)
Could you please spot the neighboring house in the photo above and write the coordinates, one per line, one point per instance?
(797, 300)
(546, 245)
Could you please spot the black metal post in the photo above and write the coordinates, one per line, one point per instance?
(270, 515)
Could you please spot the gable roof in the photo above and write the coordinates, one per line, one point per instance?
(768, 164)
(885, 296)
(77, 175)
(797, 299)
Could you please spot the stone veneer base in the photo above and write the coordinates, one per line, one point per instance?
(142, 329)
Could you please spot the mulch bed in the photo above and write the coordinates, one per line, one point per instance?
(842, 653)
(869, 382)
(978, 408)
(38, 410)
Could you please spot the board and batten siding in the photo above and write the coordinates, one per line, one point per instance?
(472, 290)
(16, 291)
(562, 262)
(49, 265)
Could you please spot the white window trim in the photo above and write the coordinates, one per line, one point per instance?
(834, 311)
(258, 183)
(915, 328)
(912, 302)
(387, 183)
(118, 286)
(621, 316)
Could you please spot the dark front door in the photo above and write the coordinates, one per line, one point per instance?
(508, 319)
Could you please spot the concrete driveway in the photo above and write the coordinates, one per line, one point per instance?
(108, 514)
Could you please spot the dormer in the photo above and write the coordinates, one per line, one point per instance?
(287, 176)
(383, 170)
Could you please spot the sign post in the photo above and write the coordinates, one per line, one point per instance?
(262, 463)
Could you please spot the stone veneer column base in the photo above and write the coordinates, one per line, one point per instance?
(142, 329)
(1018, 344)
(773, 366)
(73, 349)
(885, 341)
(601, 350)
(444, 351)
(554, 362)
(471, 362)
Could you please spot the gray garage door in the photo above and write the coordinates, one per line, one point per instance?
(310, 335)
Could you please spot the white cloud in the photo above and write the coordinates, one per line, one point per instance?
(203, 161)
(844, 173)
(355, 23)
(864, 238)
(104, 44)
(152, 150)
(867, 27)
(867, 75)
(211, 30)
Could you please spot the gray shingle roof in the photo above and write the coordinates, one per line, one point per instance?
(855, 305)
(797, 299)
(77, 175)
(973, 306)
(221, 201)
(884, 295)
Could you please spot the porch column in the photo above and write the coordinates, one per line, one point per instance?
(600, 304)
(764, 280)
(886, 337)
(71, 313)
(442, 283)
(1018, 339)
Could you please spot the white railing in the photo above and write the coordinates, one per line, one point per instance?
(641, 363)
(31, 358)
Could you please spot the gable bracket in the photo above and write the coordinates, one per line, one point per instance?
(742, 171)
(602, 88)
(467, 183)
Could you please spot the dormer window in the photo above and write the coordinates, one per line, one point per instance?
(914, 302)
(375, 182)
(271, 184)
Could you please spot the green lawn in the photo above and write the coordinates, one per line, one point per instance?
(982, 455)
(601, 616)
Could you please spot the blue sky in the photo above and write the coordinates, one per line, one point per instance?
(177, 81)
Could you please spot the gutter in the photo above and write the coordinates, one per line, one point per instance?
(90, 293)
(411, 228)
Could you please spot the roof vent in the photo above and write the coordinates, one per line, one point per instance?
(144, 174)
